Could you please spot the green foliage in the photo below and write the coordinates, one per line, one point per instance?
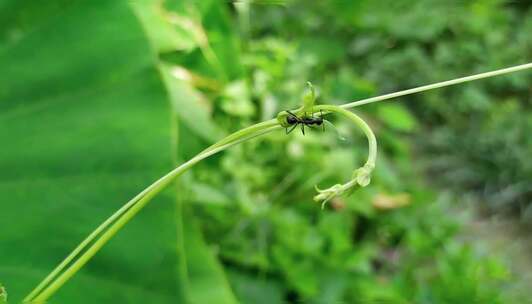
(359, 252)
(102, 98)
(495, 165)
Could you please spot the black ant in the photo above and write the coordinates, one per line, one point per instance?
(293, 119)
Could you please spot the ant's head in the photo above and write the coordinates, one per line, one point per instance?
(291, 119)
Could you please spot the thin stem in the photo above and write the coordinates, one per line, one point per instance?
(121, 217)
(254, 128)
(437, 85)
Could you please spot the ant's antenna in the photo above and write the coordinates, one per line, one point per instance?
(340, 137)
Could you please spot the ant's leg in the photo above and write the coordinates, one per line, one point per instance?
(303, 128)
(292, 114)
(292, 129)
(322, 123)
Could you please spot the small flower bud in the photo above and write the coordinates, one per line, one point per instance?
(309, 97)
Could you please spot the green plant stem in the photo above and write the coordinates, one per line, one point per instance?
(243, 132)
(438, 85)
(124, 214)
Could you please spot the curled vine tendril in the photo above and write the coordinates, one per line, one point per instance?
(361, 176)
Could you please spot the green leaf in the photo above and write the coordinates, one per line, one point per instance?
(86, 126)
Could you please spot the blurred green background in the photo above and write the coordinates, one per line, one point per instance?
(100, 98)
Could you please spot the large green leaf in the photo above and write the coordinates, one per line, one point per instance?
(84, 127)
(85, 124)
